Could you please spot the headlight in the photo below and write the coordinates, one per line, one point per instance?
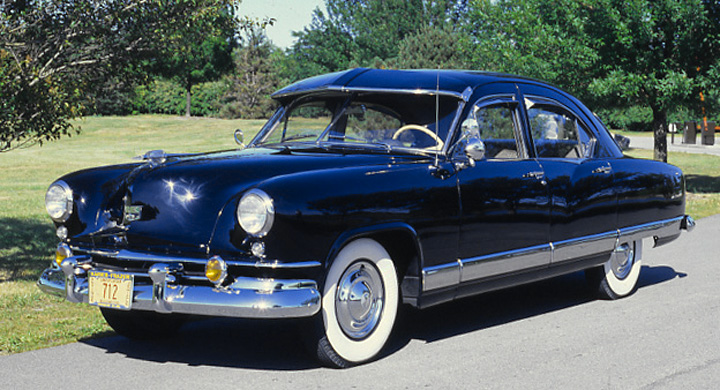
(256, 212)
(59, 201)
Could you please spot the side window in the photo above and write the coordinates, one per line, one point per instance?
(496, 127)
(557, 133)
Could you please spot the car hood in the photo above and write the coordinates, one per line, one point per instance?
(175, 205)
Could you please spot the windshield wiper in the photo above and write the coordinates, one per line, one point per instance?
(299, 136)
(362, 141)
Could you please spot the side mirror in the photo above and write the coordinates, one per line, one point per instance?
(240, 138)
(475, 148)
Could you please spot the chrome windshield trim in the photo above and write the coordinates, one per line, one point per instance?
(129, 255)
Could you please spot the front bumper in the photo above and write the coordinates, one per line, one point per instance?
(245, 298)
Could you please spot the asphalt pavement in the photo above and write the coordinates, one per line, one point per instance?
(676, 146)
(548, 335)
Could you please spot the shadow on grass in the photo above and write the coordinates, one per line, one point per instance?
(278, 345)
(701, 184)
(25, 248)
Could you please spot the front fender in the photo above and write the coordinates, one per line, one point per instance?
(318, 212)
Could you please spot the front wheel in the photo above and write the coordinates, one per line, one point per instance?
(359, 305)
(142, 325)
(618, 277)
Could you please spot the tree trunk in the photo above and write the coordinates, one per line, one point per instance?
(660, 131)
(187, 102)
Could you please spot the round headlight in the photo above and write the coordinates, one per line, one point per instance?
(256, 212)
(59, 201)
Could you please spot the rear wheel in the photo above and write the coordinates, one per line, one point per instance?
(359, 305)
(142, 325)
(618, 277)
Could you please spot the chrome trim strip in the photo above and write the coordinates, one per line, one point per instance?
(660, 229)
(418, 91)
(497, 264)
(245, 298)
(554, 253)
(584, 246)
(129, 255)
(439, 276)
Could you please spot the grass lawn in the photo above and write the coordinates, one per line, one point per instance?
(30, 319)
(702, 174)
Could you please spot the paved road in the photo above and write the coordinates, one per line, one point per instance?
(678, 146)
(549, 335)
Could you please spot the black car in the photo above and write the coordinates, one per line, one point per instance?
(366, 189)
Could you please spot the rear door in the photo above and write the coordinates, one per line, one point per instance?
(583, 209)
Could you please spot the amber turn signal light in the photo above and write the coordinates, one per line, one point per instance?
(216, 270)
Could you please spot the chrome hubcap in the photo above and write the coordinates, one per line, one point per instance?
(622, 261)
(359, 300)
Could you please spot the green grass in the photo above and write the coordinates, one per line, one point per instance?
(30, 319)
(702, 174)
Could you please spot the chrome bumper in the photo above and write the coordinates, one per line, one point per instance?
(244, 298)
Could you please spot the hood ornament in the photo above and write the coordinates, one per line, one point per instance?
(153, 157)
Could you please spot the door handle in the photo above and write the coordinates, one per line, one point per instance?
(534, 175)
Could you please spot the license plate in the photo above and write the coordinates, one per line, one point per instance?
(110, 289)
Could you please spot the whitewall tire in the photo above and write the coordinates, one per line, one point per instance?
(359, 304)
(618, 277)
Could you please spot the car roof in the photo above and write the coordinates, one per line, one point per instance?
(459, 83)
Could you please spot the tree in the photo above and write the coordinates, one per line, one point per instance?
(49, 52)
(432, 48)
(364, 32)
(255, 77)
(543, 39)
(53, 53)
(658, 54)
(196, 43)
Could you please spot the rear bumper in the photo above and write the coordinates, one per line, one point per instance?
(244, 298)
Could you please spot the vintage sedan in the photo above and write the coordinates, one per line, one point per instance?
(365, 190)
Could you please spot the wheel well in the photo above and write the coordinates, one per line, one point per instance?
(402, 245)
(405, 252)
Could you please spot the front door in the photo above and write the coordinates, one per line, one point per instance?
(504, 199)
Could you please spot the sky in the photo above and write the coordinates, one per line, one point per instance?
(290, 15)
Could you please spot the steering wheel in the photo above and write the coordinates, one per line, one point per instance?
(438, 141)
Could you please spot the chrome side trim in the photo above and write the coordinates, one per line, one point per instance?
(551, 254)
(129, 255)
(657, 230)
(245, 298)
(497, 264)
(439, 276)
(579, 247)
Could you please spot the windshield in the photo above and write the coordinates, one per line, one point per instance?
(371, 118)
